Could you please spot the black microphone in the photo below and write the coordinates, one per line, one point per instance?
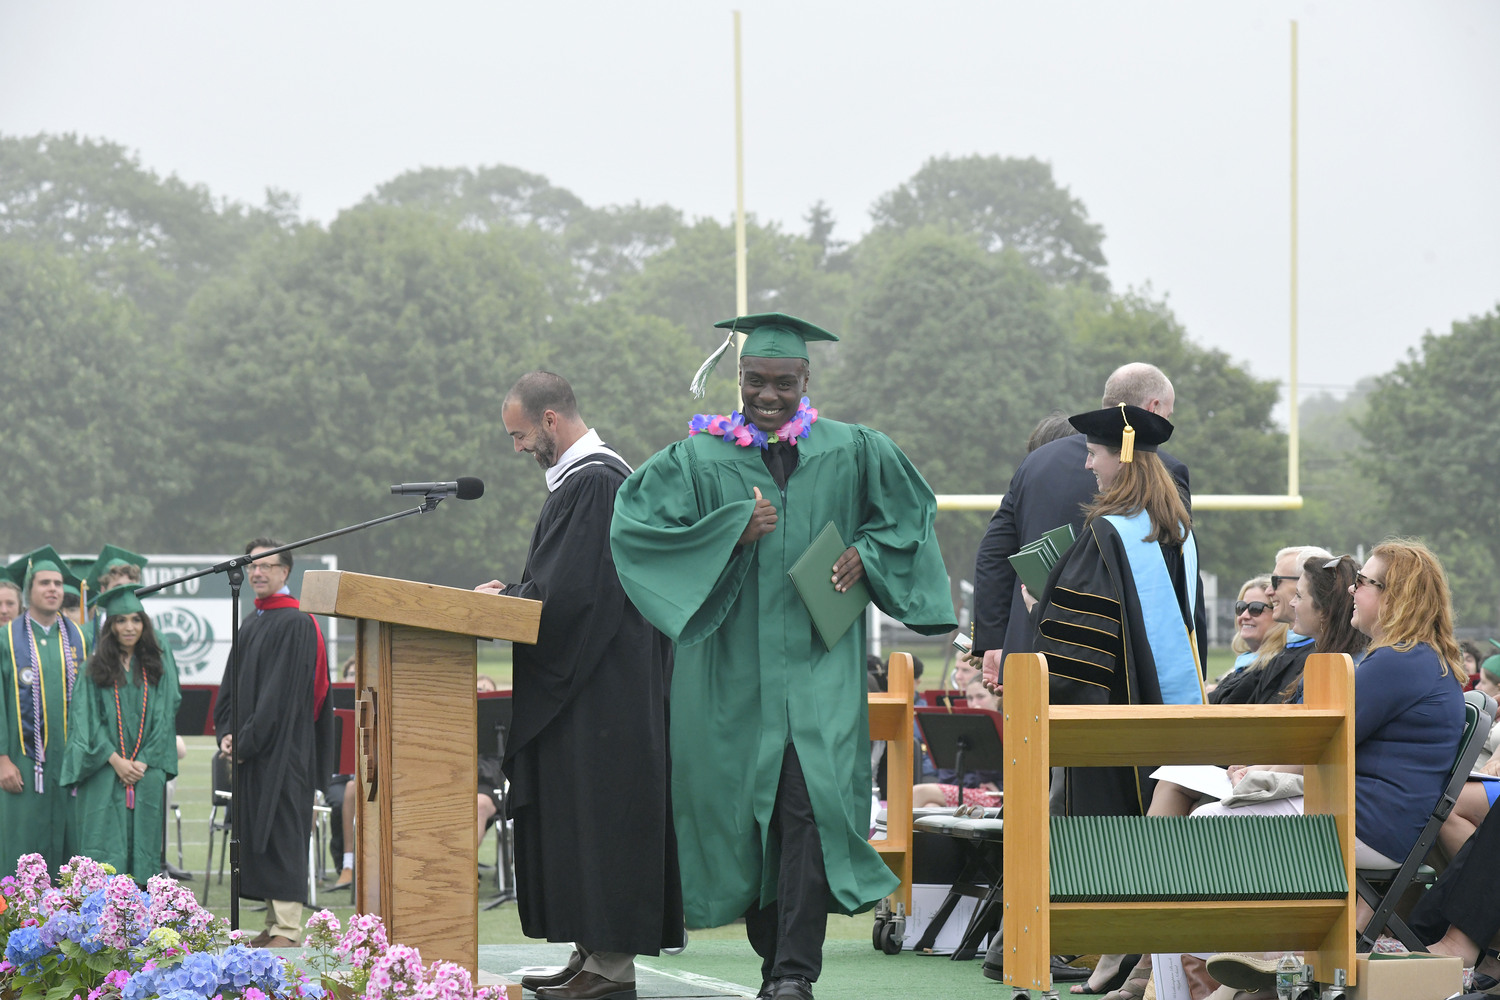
(466, 488)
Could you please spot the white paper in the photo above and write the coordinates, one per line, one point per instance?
(1205, 779)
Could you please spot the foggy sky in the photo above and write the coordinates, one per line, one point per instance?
(1168, 120)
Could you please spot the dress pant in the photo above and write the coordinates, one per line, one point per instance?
(788, 934)
(284, 918)
(616, 966)
(1467, 894)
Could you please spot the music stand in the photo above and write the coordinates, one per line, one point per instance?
(495, 713)
(963, 739)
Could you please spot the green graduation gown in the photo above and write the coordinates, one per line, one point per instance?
(32, 822)
(129, 839)
(751, 673)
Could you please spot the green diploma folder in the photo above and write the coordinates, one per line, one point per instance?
(832, 612)
(1034, 561)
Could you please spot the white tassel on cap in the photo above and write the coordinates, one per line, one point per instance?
(700, 380)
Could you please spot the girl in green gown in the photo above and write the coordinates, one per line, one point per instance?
(123, 748)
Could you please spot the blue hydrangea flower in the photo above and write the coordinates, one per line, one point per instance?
(25, 949)
(237, 967)
(141, 985)
(200, 972)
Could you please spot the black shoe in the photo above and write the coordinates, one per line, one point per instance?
(995, 972)
(1062, 972)
(557, 978)
(177, 873)
(791, 988)
(588, 985)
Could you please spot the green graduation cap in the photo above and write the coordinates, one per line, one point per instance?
(119, 600)
(79, 567)
(45, 558)
(768, 335)
(109, 557)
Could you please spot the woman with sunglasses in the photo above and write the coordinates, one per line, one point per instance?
(1258, 638)
(123, 745)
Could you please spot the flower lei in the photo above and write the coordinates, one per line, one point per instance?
(735, 429)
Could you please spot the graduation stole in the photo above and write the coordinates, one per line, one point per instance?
(29, 689)
(734, 429)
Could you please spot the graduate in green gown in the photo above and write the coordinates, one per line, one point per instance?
(769, 726)
(123, 748)
(113, 567)
(41, 655)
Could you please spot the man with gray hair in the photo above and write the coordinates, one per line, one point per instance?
(1049, 488)
(1275, 681)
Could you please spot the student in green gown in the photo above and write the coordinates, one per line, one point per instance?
(123, 748)
(770, 728)
(113, 567)
(41, 655)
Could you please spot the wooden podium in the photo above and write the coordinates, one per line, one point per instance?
(415, 852)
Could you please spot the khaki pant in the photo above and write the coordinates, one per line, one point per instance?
(284, 918)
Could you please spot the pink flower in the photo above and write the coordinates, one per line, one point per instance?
(251, 993)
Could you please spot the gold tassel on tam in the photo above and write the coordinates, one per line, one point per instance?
(1127, 439)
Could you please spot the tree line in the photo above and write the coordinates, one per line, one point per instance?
(181, 372)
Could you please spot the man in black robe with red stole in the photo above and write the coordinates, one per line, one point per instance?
(596, 853)
(283, 747)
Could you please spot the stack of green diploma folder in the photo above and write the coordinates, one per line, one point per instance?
(1034, 560)
(832, 611)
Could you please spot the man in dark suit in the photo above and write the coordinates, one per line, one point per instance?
(1050, 487)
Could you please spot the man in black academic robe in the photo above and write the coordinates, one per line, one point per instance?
(283, 746)
(596, 854)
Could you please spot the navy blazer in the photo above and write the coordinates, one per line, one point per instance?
(1050, 487)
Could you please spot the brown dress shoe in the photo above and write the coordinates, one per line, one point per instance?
(588, 986)
(555, 979)
(259, 941)
(280, 942)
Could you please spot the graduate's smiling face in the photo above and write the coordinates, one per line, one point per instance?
(127, 629)
(267, 575)
(771, 389)
(539, 440)
(47, 592)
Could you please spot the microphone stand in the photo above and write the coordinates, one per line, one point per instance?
(234, 573)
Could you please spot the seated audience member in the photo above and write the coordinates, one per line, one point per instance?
(981, 788)
(1473, 657)
(491, 778)
(484, 682)
(1262, 685)
(1478, 796)
(1460, 914)
(1258, 636)
(965, 669)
